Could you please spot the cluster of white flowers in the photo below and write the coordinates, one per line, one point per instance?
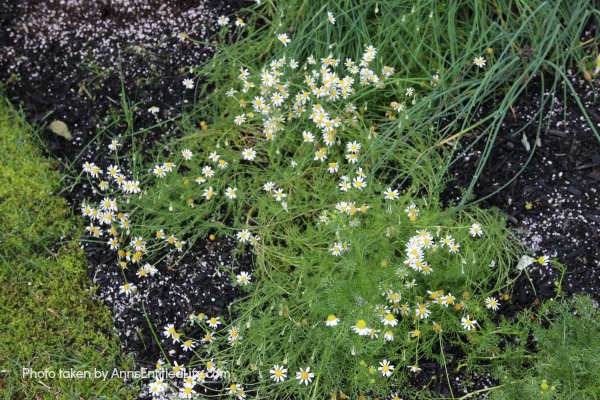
(190, 377)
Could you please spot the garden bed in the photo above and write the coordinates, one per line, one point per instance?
(115, 72)
(549, 189)
(81, 69)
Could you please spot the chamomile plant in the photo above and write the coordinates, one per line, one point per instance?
(351, 269)
(313, 160)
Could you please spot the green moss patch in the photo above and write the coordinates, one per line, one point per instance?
(50, 324)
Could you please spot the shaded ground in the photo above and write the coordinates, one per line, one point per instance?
(200, 283)
(74, 61)
(554, 202)
(73, 69)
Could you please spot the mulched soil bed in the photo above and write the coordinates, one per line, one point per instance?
(200, 282)
(73, 60)
(67, 60)
(560, 183)
(55, 59)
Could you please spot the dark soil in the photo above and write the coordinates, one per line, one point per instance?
(554, 202)
(199, 283)
(74, 60)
